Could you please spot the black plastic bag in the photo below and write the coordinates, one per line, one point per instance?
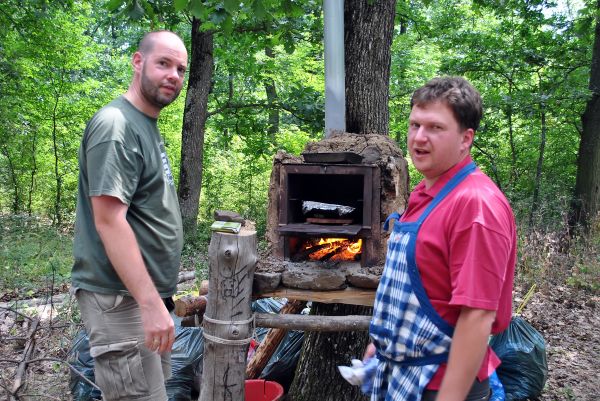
(186, 356)
(82, 361)
(524, 368)
(282, 365)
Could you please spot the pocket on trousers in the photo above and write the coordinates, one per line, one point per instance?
(119, 370)
(107, 302)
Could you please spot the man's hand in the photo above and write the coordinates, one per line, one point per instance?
(369, 351)
(159, 328)
(124, 253)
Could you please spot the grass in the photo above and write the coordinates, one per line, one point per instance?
(34, 255)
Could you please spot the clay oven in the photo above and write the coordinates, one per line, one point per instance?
(326, 209)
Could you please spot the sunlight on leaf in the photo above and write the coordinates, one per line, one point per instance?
(112, 5)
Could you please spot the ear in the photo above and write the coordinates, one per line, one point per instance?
(137, 60)
(468, 137)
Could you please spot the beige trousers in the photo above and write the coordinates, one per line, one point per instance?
(124, 368)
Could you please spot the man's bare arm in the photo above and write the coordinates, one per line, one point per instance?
(124, 253)
(468, 348)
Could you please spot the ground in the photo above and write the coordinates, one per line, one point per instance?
(568, 318)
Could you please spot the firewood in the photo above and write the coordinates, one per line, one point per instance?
(190, 305)
(267, 347)
(29, 347)
(203, 290)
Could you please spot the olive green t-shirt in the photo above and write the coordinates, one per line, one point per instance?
(122, 155)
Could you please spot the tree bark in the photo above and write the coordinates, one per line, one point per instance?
(271, 91)
(586, 202)
(317, 377)
(368, 32)
(194, 124)
(538, 171)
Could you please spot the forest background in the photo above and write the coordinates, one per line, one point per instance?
(259, 76)
(256, 85)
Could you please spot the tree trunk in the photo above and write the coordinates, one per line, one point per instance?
(194, 123)
(538, 171)
(586, 203)
(317, 377)
(368, 31)
(271, 91)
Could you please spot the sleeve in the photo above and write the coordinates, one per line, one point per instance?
(112, 167)
(480, 256)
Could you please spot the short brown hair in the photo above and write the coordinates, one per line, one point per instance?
(457, 93)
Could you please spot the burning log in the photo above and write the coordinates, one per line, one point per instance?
(305, 253)
(334, 249)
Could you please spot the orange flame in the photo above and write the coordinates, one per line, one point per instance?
(334, 249)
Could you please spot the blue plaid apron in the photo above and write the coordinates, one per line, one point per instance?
(411, 338)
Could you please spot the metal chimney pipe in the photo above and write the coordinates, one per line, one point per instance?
(335, 75)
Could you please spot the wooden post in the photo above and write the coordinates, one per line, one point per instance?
(228, 318)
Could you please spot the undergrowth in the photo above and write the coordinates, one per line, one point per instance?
(34, 255)
(549, 258)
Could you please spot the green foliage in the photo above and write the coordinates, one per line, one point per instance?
(33, 255)
(61, 61)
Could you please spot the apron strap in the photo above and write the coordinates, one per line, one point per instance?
(393, 216)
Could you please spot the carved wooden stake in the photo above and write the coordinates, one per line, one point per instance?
(228, 318)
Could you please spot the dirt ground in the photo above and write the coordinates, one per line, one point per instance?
(569, 320)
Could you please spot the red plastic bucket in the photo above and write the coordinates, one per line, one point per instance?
(263, 390)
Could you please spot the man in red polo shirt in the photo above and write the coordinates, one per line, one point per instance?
(447, 283)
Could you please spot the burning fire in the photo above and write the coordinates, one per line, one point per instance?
(334, 249)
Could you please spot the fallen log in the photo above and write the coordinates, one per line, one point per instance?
(313, 323)
(267, 347)
(203, 289)
(190, 305)
(185, 276)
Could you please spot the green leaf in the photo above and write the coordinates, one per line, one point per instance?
(228, 25)
(197, 9)
(149, 10)
(112, 5)
(231, 6)
(181, 5)
(258, 8)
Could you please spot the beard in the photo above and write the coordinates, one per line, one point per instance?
(151, 92)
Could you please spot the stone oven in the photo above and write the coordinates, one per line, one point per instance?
(326, 210)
